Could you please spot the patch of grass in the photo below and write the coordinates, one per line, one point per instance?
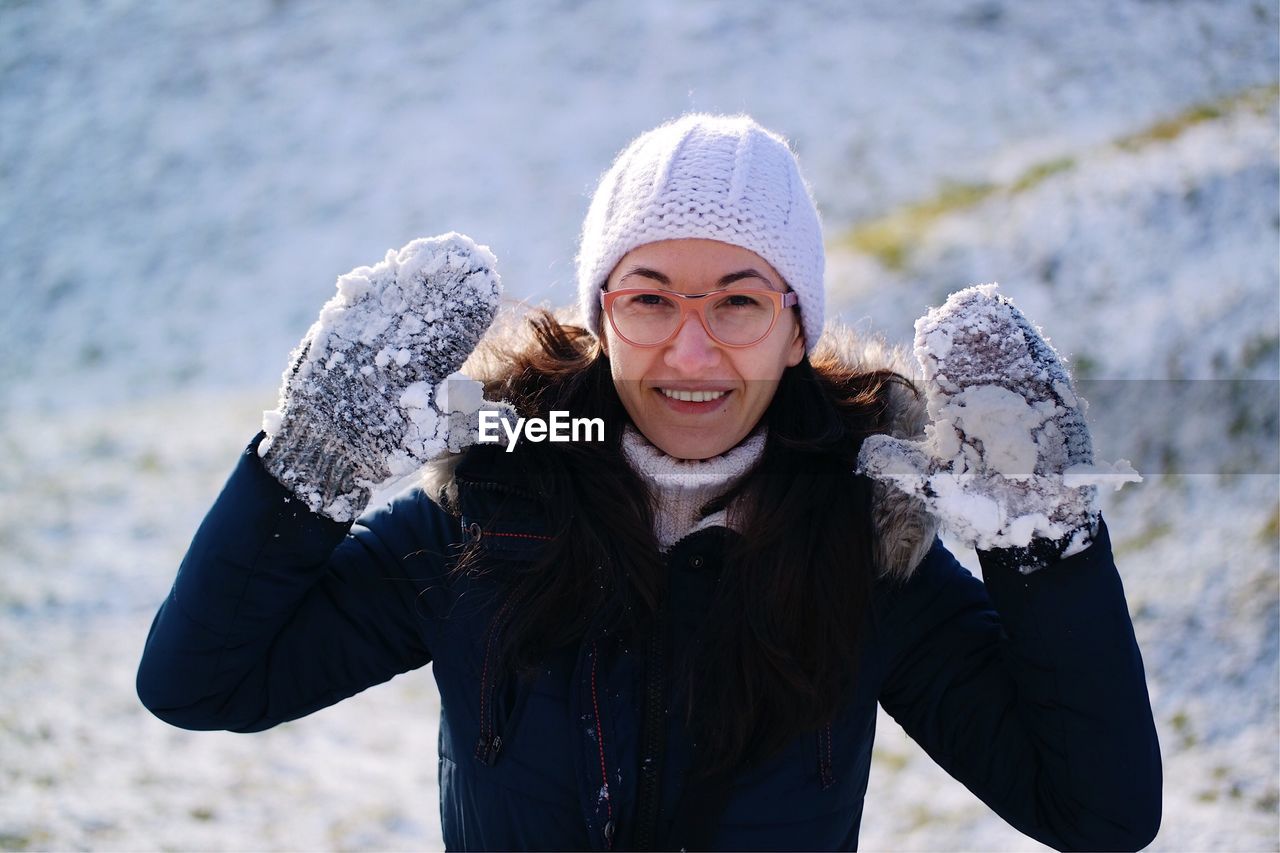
(1241, 423)
(1170, 128)
(920, 815)
(1038, 173)
(890, 239)
(1170, 463)
(891, 761)
(1182, 727)
(1256, 98)
(149, 462)
(91, 355)
(1151, 534)
(1270, 532)
(1258, 349)
(37, 840)
(1083, 366)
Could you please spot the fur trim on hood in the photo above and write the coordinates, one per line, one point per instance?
(905, 529)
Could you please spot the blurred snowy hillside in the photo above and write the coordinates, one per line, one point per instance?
(183, 182)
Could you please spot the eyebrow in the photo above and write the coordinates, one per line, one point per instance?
(725, 281)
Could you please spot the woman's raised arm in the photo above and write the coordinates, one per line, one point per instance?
(281, 605)
(1029, 689)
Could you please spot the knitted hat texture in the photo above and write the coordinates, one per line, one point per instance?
(720, 178)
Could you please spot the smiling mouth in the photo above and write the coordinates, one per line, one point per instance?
(692, 396)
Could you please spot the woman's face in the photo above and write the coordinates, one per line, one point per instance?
(742, 381)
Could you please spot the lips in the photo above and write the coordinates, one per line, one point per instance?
(694, 401)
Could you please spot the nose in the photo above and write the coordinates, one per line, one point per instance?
(692, 350)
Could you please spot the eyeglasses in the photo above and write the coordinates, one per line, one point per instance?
(733, 318)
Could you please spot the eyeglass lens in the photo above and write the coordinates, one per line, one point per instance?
(733, 317)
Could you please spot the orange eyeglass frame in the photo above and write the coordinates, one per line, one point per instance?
(689, 303)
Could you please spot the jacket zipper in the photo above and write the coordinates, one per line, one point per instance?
(826, 777)
(604, 772)
(652, 747)
(490, 742)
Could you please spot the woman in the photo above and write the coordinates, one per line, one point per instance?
(677, 636)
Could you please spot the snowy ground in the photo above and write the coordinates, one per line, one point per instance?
(184, 182)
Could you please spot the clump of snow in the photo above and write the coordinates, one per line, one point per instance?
(271, 421)
(1003, 421)
(416, 396)
(1114, 475)
(354, 285)
(1079, 540)
(422, 439)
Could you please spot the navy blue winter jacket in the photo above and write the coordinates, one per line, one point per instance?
(1029, 689)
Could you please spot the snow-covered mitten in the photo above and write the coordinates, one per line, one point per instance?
(1007, 458)
(371, 393)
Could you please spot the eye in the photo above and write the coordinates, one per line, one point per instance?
(646, 303)
(741, 300)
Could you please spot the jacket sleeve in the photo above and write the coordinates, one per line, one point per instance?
(277, 612)
(1030, 691)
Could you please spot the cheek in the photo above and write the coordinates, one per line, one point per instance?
(628, 366)
(621, 364)
(762, 366)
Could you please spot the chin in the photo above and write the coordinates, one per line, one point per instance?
(699, 447)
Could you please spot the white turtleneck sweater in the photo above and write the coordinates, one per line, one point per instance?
(682, 486)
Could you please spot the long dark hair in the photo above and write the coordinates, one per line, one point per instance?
(779, 648)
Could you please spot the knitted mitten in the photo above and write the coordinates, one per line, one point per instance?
(370, 393)
(1007, 457)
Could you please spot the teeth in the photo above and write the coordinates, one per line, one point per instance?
(694, 396)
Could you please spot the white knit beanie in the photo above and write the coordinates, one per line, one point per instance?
(720, 178)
